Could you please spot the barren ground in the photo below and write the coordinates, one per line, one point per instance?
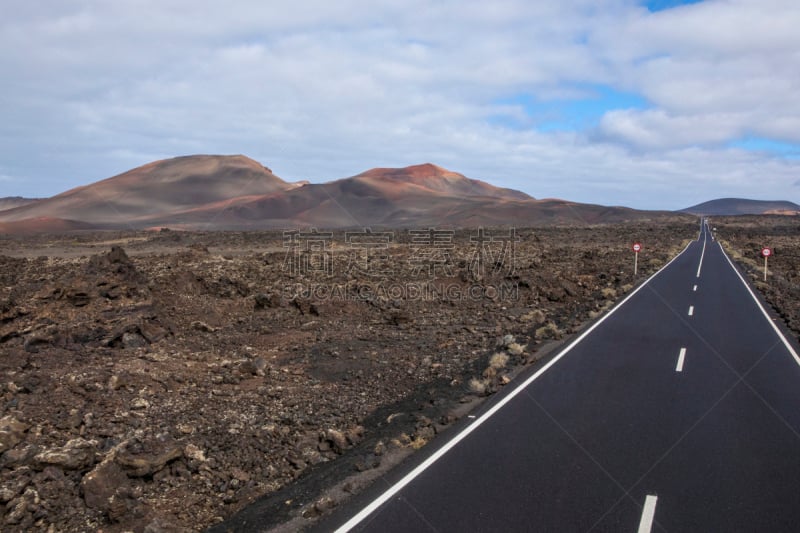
(164, 381)
(745, 236)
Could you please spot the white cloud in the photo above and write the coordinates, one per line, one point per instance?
(322, 90)
(659, 129)
(713, 71)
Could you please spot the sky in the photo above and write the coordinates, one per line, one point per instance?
(652, 105)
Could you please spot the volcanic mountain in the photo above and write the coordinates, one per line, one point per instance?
(155, 189)
(741, 206)
(234, 192)
(430, 179)
(410, 196)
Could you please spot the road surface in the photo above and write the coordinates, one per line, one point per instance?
(679, 411)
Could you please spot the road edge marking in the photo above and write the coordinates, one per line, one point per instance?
(449, 445)
(763, 311)
(648, 514)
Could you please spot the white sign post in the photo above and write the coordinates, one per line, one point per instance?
(766, 252)
(637, 247)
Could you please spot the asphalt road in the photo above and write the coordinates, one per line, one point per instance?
(679, 411)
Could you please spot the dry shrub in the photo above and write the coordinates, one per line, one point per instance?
(478, 386)
(548, 331)
(499, 359)
(418, 443)
(536, 317)
(516, 349)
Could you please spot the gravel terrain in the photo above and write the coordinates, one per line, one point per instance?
(745, 236)
(165, 381)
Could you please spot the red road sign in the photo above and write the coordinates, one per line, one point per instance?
(766, 252)
(637, 247)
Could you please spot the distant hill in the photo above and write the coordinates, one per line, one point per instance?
(234, 192)
(10, 202)
(741, 206)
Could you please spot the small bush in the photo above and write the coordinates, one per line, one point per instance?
(516, 349)
(536, 317)
(418, 442)
(548, 331)
(478, 386)
(499, 360)
(602, 309)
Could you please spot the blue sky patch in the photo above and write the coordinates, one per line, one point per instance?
(568, 114)
(761, 144)
(661, 5)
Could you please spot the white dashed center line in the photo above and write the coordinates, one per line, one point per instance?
(702, 254)
(681, 357)
(691, 310)
(648, 514)
(694, 289)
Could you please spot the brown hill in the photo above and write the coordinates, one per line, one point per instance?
(743, 206)
(416, 196)
(234, 192)
(431, 179)
(10, 202)
(155, 189)
(421, 194)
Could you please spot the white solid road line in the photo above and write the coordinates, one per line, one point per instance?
(691, 310)
(763, 311)
(438, 454)
(681, 357)
(648, 514)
